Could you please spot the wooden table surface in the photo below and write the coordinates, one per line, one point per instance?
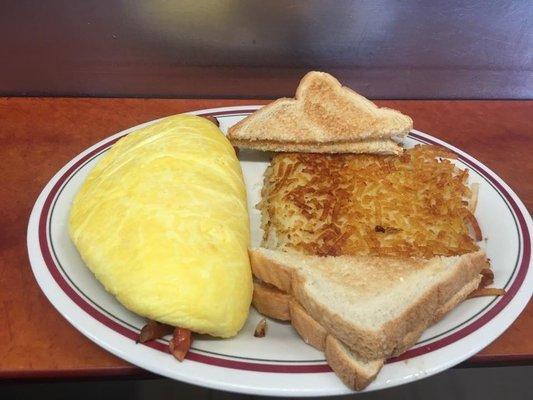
(39, 135)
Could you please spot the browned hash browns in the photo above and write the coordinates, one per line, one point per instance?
(414, 205)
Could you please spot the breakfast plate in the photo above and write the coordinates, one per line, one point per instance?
(279, 364)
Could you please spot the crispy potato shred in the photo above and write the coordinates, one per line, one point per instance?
(415, 205)
(486, 292)
(487, 278)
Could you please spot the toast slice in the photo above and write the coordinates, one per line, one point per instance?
(355, 372)
(377, 307)
(324, 117)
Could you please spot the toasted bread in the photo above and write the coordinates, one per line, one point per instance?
(371, 303)
(328, 205)
(324, 117)
(273, 303)
(339, 304)
(355, 373)
(269, 301)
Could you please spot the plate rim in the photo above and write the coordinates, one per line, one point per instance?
(244, 110)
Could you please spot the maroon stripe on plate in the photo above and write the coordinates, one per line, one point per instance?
(266, 367)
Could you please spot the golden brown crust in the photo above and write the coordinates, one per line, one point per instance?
(270, 301)
(410, 339)
(311, 331)
(353, 374)
(238, 130)
(270, 272)
(375, 344)
(385, 147)
(435, 303)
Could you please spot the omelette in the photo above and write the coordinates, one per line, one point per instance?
(162, 222)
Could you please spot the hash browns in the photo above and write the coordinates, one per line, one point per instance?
(414, 205)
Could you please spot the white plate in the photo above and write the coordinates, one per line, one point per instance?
(279, 364)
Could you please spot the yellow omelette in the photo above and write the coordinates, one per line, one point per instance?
(162, 223)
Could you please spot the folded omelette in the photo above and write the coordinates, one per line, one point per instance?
(162, 223)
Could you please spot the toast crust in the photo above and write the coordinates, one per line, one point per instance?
(412, 337)
(397, 334)
(269, 300)
(355, 375)
(311, 331)
(384, 147)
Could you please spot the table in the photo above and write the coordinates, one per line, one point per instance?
(39, 135)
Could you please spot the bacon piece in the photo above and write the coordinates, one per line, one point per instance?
(154, 330)
(180, 343)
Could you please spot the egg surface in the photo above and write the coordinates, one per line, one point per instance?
(162, 222)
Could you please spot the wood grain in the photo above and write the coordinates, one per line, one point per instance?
(39, 135)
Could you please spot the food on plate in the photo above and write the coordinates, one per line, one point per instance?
(413, 205)
(154, 330)
(180, 343)
(324, 117)
(260, 329)
(162, 223)
(361, 310)
(271, 301)
(485, 291)
(363, 252)
(487, 276)
(212, 119)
